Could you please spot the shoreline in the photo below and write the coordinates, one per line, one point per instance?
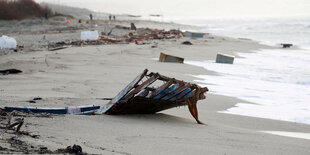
(78, 75)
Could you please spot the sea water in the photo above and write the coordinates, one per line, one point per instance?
(275, 82)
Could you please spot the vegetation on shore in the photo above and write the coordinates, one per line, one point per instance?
(22, 9)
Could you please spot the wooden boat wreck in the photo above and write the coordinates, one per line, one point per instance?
(142, 96)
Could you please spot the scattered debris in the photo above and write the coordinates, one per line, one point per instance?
(286, 45)
(17, 146)
(67, 110)
(193, 35)
(3, 113)
(143, 98)
(18, 122)
(169, 58)
(58, 48)
(187, 43)
(224, 58)
(146, 34)
(35, 99)
(21, 147)
(139, 37)
(122, 27)
(10, 71)
(75, 149)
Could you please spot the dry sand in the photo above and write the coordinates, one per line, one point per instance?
(78, 75)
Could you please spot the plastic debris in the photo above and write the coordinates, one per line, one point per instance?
(89, 35)
(7, 42)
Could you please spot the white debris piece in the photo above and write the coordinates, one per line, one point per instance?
(89, 35)
(7, 42)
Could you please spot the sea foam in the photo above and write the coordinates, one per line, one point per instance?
(277, 81)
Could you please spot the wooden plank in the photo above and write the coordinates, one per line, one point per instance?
(177, 87)
(165, 92)
(178, 91)
(140, 87)
(144, 93)
(162, 88)
(181, 95)
(122, 93)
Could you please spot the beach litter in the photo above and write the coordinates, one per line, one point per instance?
(285, 45)
(75, 149)
(146, 34)
(187, 43)
(18, 122)
(193, 35)
(142, 96)
(224, 58)
(170, 58)
(122, 27)
(10, 71)
(7, 42)
(140, 38)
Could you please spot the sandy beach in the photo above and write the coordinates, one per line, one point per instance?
(78, 75)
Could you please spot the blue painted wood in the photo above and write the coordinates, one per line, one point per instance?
(144, 93)
(176, 92)
(166, 91)
(189, 95)
(181, 94)
(50, 110)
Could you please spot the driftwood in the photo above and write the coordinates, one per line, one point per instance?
(17, 123)
(141, 98)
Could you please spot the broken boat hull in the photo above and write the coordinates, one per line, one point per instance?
(142, 98)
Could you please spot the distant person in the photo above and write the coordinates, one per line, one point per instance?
(113, 17)
(91, 16)
(133, 27)
(46, 16)
(110, 17)
(80, 20)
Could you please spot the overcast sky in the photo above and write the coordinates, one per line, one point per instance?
(197, 8)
